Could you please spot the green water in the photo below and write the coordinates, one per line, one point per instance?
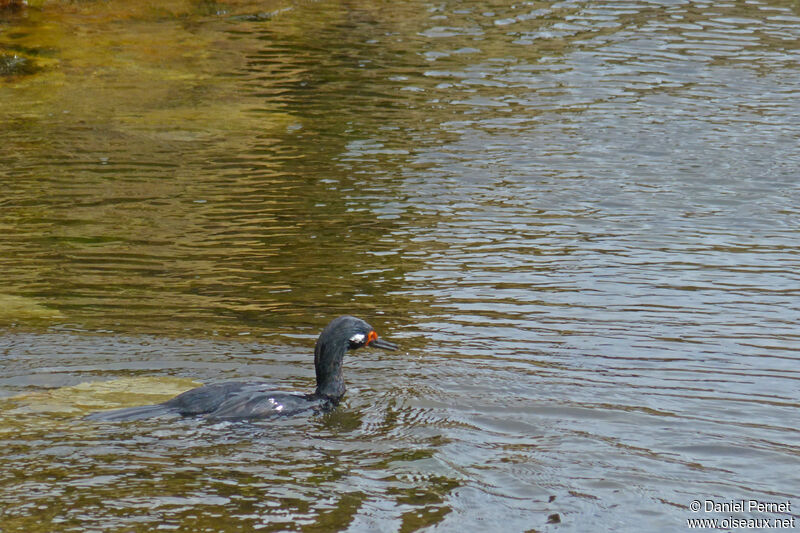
(579, 221)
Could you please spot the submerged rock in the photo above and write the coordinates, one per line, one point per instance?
(13, 308)
(85, 397)
(12, 4)
(16, 65)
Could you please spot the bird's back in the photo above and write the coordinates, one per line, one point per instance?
(224, 401)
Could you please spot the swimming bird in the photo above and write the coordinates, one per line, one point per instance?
(249, 400)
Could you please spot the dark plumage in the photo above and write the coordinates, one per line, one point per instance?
(238, 400)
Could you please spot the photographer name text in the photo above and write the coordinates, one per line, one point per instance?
(740, 506)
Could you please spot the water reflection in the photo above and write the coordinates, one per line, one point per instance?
(580, 220)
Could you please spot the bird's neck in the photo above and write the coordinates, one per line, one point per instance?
(328, 365)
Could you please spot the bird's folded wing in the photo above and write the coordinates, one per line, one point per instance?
(259, 405)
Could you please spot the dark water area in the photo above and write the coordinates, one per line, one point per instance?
(579, 220)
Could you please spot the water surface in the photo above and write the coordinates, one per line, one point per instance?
(580, 221)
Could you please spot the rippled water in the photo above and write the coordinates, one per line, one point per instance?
(580, 221)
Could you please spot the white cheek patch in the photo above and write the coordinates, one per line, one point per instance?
(358, 338)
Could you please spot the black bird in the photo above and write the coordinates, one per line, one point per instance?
(239, 400)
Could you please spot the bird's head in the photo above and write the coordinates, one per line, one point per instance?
(342, 334)
(362, 334)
